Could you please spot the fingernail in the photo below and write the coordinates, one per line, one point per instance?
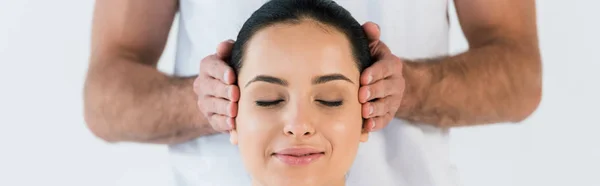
(230, 123)
(232, 41)
(229, 92)
(378, 28)
(373, 126)
(368, 94)
(371, 110)
(225, 76)
(369, 79)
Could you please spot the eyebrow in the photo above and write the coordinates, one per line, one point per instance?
(317, 80)
(330, 77)
(268, 79)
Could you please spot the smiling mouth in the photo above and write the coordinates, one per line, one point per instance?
(298, 157)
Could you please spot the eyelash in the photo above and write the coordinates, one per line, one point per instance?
(275, 102)
(330, 103)
(268, 103)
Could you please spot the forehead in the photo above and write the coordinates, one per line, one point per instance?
(303, 49)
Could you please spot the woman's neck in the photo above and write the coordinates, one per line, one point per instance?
(341, 182)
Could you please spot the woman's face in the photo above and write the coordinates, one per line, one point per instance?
(299, 120)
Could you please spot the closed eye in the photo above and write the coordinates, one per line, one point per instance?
(268, 103)
(330, 103)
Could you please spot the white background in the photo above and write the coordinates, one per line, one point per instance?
(44, 49)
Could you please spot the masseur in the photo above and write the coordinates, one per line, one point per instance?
(427, 91)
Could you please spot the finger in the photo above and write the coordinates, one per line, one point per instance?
(196, 85)
(231, 123)
(368, 124)
(224, 49)
(377, 108)
(372, 31)
(216, 68)
(381, 89)
(220, 123)
(380, 70)
(205, 86)
(214, 88)
(379, 50)
(364, 94)
(380, 122)
(214, 105)
(234, 94)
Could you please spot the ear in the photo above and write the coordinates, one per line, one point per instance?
(233, 137)
(364, 136)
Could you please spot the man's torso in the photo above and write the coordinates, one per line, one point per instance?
(400, 154)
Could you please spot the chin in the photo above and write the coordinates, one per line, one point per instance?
(295, 175)
(294, 181)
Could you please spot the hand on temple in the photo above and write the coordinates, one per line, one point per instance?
(382, 84)
(216, 89)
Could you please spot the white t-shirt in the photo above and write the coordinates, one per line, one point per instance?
(401, 154)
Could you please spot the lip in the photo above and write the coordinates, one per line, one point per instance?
(298, 156)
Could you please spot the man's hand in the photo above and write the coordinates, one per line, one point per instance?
(217, 93)
(382, 84)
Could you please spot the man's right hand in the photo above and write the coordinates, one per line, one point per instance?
(216, 89)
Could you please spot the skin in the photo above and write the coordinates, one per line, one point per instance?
(497, 80)
(303, 117)
(127, 99)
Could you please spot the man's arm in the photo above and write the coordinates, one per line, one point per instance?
(126, 97)
(498, 79)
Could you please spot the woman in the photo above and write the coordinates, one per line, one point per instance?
(298, 65)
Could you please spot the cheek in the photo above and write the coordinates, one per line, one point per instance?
(347, 121)
(343, 132)
(255, 128)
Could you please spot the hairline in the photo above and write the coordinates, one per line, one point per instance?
(326, 27)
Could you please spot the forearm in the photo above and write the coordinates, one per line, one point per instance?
(497, 82)
(128, 101)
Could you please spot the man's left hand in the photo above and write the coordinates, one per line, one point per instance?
(382, 84)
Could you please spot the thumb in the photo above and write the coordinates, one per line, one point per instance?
(378, 48)
(224, 49)
(372, 31)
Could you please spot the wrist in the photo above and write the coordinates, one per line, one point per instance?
(418, 78)
(192, 116)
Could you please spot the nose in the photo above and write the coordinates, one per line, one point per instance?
(299, 125)
(299, 130)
